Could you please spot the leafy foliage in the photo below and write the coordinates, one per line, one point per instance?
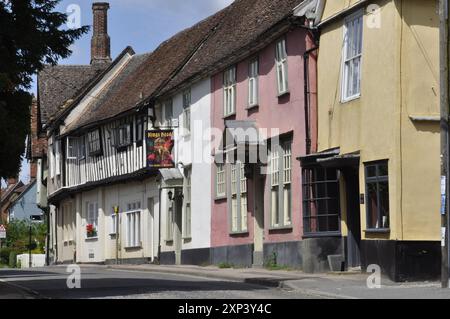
(31, 35)
(18, 236)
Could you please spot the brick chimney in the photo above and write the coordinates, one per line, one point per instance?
(101, 43)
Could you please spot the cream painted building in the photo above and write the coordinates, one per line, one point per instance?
(378, 134)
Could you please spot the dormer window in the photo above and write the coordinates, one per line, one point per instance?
(94, 143)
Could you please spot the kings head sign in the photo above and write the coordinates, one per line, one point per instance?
(159, 149)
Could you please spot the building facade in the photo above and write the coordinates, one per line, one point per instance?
(378, 136)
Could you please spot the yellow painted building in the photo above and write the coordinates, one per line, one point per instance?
(378, 127)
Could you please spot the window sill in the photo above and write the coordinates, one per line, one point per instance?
(91, 238)
(378, 231)
(322, 234)
(283, 94)
(229, 115)
(275, 228)
(220, 198)
(133, 248)
(239, 233)
(252, 107)
(349, 99)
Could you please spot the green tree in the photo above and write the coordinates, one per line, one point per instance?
(31, 35)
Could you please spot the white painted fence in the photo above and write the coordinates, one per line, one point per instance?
(37, 261)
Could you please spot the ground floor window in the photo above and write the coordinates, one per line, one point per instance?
(92, 220)
(321, 200)
(280, 160)
(377, 193)
(169, 222)
(134, 225)
(187, 205)
(238, 198)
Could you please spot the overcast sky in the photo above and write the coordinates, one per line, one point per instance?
(142, 24)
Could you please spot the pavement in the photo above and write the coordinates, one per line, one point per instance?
(346, 285)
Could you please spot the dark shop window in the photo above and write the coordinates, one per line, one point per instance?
(321, 208)
(377, 193)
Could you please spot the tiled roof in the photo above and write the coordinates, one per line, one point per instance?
(58, 84)
(186, 54)
(246, 21)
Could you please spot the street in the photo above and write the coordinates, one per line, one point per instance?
(101, 282)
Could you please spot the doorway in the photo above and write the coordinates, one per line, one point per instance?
(259, 187)
(351, 177)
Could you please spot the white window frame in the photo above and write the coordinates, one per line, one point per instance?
(114, 220)
(238, 199)
(92, 217)
(187, 216)
(221, 181)
(52, 161)
(253, 85)
(348, 62)
(72, 148)
(133, 217)
(280, 157)
(229, 91)
(187, 100)
(281, 61)
(58, 158)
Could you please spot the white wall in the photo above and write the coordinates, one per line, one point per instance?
(189, 150)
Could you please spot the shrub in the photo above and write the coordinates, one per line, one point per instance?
(4, 255)
(225, 265)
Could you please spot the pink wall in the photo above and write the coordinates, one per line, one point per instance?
(286, 113)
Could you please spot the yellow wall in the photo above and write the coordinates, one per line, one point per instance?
(395, 81)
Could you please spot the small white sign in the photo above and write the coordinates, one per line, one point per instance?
(2, 232)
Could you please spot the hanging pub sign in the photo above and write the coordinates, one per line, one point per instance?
(160, 144)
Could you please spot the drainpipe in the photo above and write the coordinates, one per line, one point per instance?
(307, 96)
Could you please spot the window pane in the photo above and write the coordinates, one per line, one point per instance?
(372, 205)
(384, 204)
(371, 171)
(382, 170)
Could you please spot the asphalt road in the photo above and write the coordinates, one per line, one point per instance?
(100, 282)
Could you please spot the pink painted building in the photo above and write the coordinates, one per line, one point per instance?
(256, 215)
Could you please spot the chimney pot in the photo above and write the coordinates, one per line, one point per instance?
(101, 43)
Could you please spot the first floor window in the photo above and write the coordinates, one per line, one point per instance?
(94, 143)
(140, 128)
(58, 158)
(187, 205)
(92, 220)
(282, 66)
(253, 71)
(168, 112)
(229, 91)
(221, 184)
(352, 53)
(122, 136)
(280, 184)
(321, 210)
(187, 111)
(238, 198)
(72, 148)
(377, 192)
